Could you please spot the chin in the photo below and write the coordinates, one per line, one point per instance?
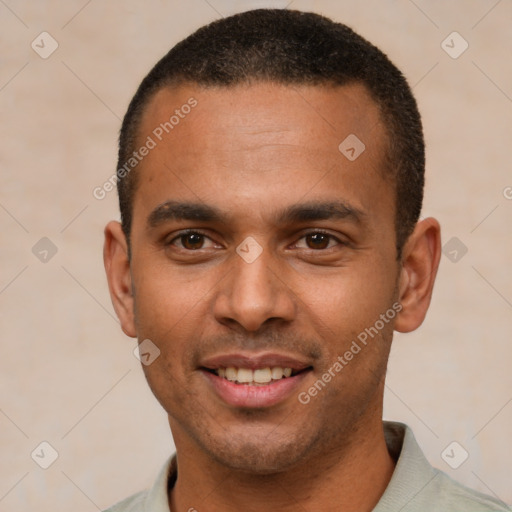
(268, 455)
(254, 461)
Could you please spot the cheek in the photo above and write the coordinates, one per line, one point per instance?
(348, 301)
(165, 296)
(167, 311)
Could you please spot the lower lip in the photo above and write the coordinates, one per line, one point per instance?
(245, 395)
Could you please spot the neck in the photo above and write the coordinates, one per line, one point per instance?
(351, 478)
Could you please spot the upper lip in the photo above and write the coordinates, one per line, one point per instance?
(254, 361)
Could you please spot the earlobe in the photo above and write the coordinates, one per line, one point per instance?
(117, 267)
(420, 261)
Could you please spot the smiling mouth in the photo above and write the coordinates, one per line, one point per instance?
(255, 377)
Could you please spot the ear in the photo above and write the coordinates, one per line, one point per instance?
(117, 267)
(420, 260)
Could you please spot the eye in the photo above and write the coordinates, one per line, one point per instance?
(318, 240)
(191, 241)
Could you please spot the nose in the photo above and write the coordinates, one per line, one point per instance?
(253, 294)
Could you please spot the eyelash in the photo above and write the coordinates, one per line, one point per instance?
(200, 233)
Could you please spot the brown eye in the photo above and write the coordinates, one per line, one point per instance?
(317, 240)
(192, 241)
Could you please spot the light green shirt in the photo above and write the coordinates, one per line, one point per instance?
(414, 487)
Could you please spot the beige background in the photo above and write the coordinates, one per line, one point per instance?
(67, 373)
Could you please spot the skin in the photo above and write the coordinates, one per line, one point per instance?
(252, 151)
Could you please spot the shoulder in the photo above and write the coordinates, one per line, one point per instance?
(416, 486)
(155, 499)
(131, 504)
(455, 496)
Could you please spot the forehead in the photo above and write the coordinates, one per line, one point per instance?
(248, 142)
(263, 105)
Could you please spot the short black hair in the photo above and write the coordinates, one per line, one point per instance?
(291, 48)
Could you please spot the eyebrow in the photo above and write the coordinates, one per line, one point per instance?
(175, 210)
(302, 212)
(319, 210)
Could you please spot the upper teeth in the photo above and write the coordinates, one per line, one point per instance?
(248, 376)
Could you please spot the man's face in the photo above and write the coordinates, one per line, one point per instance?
(262, 161)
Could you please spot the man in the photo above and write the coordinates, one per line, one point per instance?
(271, 171)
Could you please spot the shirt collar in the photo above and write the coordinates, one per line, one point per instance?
(157, 499)
(412, 472)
